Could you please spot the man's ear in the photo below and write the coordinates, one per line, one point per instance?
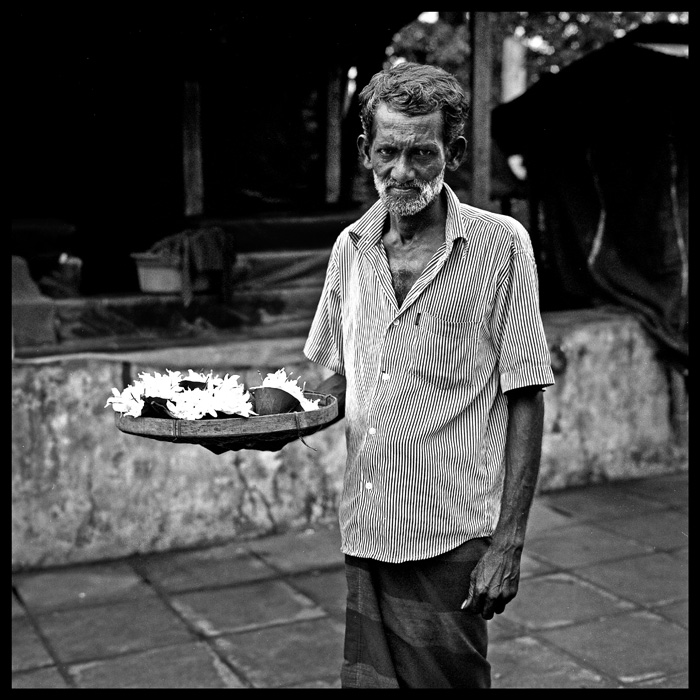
(363, 147)
(456, 153)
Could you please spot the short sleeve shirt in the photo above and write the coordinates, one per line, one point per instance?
(426, 412)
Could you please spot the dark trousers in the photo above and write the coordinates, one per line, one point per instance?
(405, 628)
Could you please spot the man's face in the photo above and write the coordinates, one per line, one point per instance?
(407, 157)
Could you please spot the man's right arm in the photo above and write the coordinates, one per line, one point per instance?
(335, 385)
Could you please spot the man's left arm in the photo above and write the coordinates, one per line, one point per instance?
(494, 581)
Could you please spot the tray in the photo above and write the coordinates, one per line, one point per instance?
(249, 433)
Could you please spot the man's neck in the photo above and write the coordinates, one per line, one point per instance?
(427, 223)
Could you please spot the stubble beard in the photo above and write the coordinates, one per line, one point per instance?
(422, 195)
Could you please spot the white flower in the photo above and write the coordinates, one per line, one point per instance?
(175, 377)
(193, 376)
(279, 380)
(219, 395)
(162, 386)
(228, 383)
(191, 404)
(232, 399)
(128, 402)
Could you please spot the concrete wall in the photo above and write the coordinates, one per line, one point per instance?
(84, 491)
(615, 411)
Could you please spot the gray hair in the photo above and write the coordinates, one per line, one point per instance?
(415, 89)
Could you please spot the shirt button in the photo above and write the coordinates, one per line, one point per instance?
(368, 485)
(372, 431)
(385, 377)
(396, 322)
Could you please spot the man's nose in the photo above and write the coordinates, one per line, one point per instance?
(403, 170)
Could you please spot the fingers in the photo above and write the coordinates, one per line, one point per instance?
(469, 600)
(485, 603)
(499, 606)
(493, 607)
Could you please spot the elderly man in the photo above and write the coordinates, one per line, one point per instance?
(429, 322)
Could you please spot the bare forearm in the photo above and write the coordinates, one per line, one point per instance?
(523, 453)
(335, 385)
(494, 581)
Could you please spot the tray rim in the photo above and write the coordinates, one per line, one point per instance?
(181, 430)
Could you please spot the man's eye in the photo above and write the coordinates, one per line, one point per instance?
(424, 152)
(385, 151)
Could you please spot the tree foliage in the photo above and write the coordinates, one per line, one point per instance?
(553, 39)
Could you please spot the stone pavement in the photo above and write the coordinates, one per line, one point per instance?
(603, 603)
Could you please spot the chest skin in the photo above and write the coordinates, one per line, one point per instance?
(408, 259)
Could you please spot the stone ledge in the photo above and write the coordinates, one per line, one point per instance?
(34, 318)
(616, 411)
(83, 491)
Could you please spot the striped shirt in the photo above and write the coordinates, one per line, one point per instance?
(426, 413)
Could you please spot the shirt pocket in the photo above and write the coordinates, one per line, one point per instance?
(445, 354)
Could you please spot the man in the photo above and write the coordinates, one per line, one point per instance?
(429, 321)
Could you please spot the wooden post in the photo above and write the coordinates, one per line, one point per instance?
(513, 84)
(192, 150)
(334, 117)
(513, 71)
(481, 27)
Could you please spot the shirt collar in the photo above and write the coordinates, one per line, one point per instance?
(367, 230)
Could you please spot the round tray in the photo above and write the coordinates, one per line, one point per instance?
(243, 432)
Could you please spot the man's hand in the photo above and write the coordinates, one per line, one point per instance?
(494, 582)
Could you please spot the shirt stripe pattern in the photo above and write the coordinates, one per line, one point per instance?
(426, 412)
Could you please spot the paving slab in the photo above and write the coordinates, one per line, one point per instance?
(18, 609)
(330, 682)
(671, 489)
(39, 679)
(79, 586)
(556, 600)
(182, 666)
(527, 663)
(266, 603)
(28, 650)
(677, 680)
(651, 579)
(663, 530)
(530, 566)
(599, 502)
(603, 602)
(328, 589)
(583, 544)
(86, 634)
(675, 612)
(543, 519)
(287, 655)
(294, 552)
(502, 627)
(634, 647)
(223, 565)
(682, 554)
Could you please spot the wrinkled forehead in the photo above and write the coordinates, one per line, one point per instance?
(398, 127)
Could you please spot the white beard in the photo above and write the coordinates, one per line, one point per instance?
(408, 205)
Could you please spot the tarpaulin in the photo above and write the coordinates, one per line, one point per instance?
(605, 143)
